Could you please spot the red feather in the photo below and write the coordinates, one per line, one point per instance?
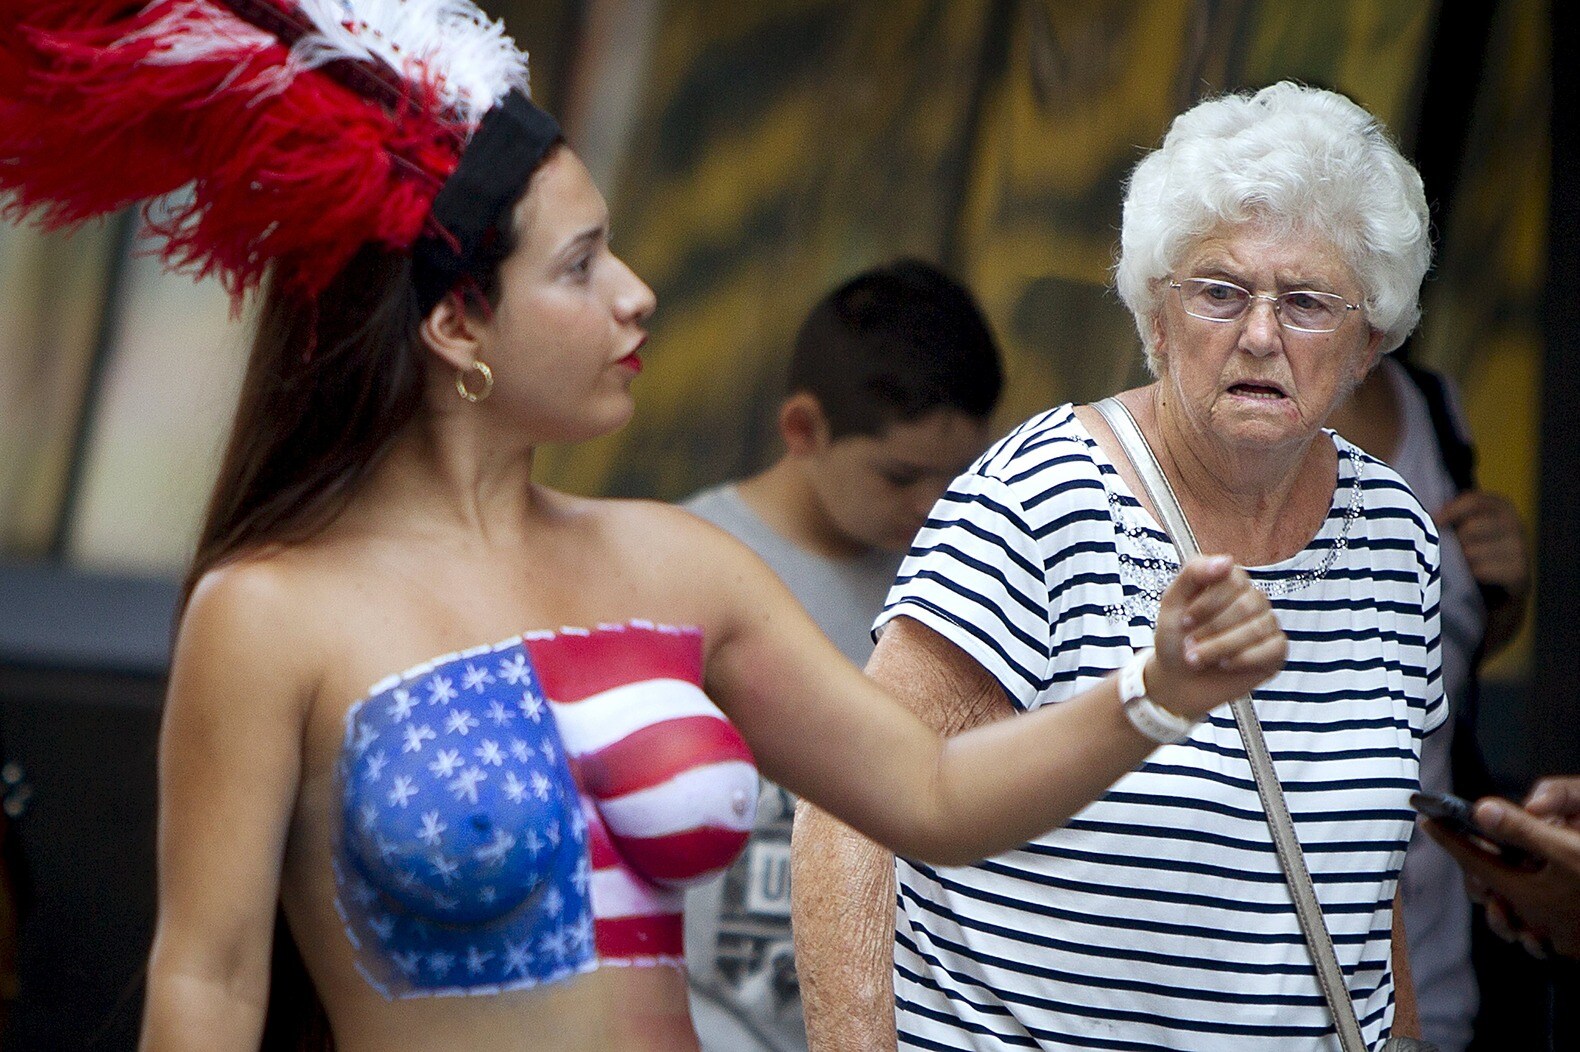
(280, 165)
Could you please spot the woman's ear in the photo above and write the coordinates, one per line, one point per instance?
(454, 333)
(1372, 355)
(1159, 348)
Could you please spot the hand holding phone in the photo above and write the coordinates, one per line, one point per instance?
(1454, 815)
(1539, 907)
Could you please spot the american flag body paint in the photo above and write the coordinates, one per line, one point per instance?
(669, 787)
(521, 813)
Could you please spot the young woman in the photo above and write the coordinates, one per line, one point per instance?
(486, 850)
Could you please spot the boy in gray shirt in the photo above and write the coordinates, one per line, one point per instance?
(892, 382)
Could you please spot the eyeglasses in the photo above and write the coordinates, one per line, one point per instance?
(1302, 310)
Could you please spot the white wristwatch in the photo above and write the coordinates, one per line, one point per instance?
(1146, 715)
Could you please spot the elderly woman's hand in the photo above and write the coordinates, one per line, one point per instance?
(1216, 638)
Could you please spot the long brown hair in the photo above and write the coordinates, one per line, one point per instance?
(330, 385)
(328, 388)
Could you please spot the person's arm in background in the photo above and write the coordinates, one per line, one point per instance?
(1406, 1012)
(842, 884)
(1493, 539)
(1540, 908)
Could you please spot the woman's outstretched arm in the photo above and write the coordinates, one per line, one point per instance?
(823, 730)
(229, 763)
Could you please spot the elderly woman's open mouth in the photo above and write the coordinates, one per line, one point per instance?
(1257, 389)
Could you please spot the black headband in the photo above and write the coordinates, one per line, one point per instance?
(509, 144)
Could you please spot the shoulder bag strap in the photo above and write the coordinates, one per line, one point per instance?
(1329, 975)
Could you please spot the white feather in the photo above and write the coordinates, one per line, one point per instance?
(194, 30)
(450, 44)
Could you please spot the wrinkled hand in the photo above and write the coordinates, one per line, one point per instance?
(1540, 908)
(1490, 532)
(1216, 638)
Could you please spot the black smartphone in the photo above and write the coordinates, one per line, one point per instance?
(1454, 814)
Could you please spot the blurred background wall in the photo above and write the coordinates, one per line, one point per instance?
(754, 154)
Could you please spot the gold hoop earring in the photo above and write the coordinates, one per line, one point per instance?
(488, 382)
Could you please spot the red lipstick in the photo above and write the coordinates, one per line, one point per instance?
(632, 361)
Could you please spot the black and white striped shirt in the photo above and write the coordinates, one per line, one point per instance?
(1158, 918)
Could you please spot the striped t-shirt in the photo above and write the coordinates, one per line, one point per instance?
(1158, 918)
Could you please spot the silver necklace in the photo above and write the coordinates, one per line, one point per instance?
(1151, 573)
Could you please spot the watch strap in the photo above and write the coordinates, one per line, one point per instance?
(1146, 715)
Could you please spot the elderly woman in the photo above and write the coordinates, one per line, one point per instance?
(1272, 249)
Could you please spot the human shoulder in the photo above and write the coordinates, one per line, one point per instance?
(1052, 445)
(1439, 393)
(711, 500)
(1389, 510)
(245, 620)
(700, 572)
(725, 507)
(652, 532)
(1383, 491)
(257, 590)
(1045, 470)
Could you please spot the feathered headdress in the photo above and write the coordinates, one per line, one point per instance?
(304, 129)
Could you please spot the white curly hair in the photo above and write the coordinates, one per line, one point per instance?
(1297, 160)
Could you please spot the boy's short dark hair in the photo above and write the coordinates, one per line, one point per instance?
(893, 344)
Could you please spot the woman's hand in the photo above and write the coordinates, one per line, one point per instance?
(1493, 538)
(1216, 638)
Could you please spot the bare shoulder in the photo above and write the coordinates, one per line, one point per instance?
(688, 568)
(245, 623)
(667, 531)
(258, 594)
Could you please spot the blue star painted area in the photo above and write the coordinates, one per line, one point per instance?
(462, 860)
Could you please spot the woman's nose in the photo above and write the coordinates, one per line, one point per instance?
(1260, 333)
(636, 301)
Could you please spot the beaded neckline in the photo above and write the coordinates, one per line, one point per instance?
(1151, 573)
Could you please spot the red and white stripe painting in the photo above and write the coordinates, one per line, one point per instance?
(670, 786)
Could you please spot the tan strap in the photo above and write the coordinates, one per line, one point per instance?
(1290, 858)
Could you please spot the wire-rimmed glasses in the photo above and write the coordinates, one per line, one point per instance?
(1302, 310)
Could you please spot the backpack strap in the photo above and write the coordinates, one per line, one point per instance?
(1459, 454)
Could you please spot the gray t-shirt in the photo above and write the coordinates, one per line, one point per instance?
(745, 997)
